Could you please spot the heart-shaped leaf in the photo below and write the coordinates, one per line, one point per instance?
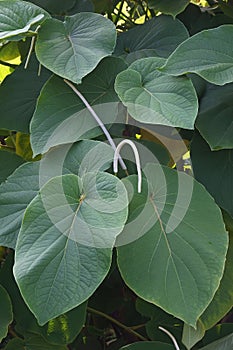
(59, 109)
(73, 48)
(18, 17)
(207, 53)
(156, 98)
(182, 265)
(214, 120)
(23, 185)
(64, 248)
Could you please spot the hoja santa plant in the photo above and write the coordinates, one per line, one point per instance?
(93, 256)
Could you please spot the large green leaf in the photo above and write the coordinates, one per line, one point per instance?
(214, 170)
(157, 98)
(152, 345)
(225, 343)
(57, 7)
(9, 162)
(65, 244)
(18, 17)
(208, 53)
(73, 48)
(6, 315)
(215, 121)
(32, 342)
(60, 116)
(168, 7)
(182, 264)
(162, 34)
(18, 94)
(22, 186)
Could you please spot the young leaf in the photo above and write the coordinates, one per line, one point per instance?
(65, 244)
(73, 48)
(6, 315)
(208, 53)
(162, 34)
(17, 18)
(156, 98)
(191, 335)
(168, 7)
(181, 266)
(61, 117)
(211, 168)
(217, 130)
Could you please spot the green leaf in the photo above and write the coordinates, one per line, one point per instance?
(59, 109)
(15, 343)
(65, 244)
(9, 162)
(15, 194)
(191, 335)
(168, 7)
(162, 34)
(208, 54)
(22, 186)
(211, 168)
(17, 18)
(6, 315)
(214, 121)
(223, 299)
(157, 98)
(32, 342)
(73, 48)
(182, 261)
(152, 345)
(18, 94)
(221, 344)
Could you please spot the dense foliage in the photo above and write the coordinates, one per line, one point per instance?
(96, 258)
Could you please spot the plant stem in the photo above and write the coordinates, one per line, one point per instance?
(119, 324)
(98, 120)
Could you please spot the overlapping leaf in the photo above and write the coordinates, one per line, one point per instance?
(61, 117)
(22, 186)
(9, 162)
(181, 266)
(215, 121)
(208, 53)
(214, 170)
(65, 244)
(162, 34)
(18, 17)
(73, 48)
(18, 95)
(157, 98)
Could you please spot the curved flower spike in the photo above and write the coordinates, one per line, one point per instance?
(137, 159)
(171, 336)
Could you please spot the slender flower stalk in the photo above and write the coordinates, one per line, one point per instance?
(137, 159)
(98, 120)
(171, 336)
